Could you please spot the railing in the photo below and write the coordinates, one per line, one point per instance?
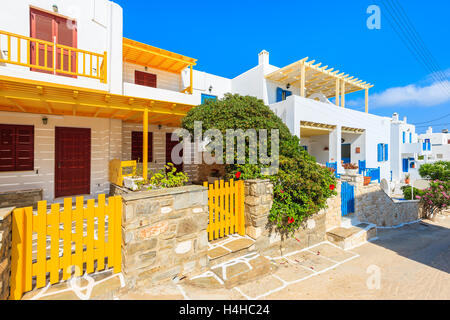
(51, 57)
(58, 241)
(116, 171)
(373, 173)
(226, 208)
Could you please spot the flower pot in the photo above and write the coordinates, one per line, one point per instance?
(351, 172)
(367, 180)
(407, 181)
(131, 183)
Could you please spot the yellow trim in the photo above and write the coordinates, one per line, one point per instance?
(30, 96)
(101, 68)
(153, 57)
(145, 145)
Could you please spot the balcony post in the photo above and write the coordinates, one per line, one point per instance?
(337, 92)
(302, 79)
(343, 94)
(191, 87)
(367, 101)
(145, 144)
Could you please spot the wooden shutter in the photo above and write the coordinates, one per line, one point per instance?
(279, 94)
(16, 148)
(136, 146)
(7, 148)
(145, 79)
(24, 148)
(380, 152)
(41, 27)
(66, 34)
(386, 152)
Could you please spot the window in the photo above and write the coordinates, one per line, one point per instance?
(16, 147)
(404, 136)
(46, 26)
(145, 79)
(405, 166)
(410, 137)
(136, 146)
(382, 152)
(206, 97)
(282, 94)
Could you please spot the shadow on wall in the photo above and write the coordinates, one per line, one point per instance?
(422, 242)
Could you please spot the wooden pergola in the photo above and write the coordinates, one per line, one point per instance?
(313, 78)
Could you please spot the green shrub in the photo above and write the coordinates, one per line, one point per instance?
(301, 186)
(407, 192)
(167, 178)
(435, 171)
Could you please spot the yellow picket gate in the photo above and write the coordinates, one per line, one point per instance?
(54, 241)
(226, 208)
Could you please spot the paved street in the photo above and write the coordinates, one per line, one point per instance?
(411, 262)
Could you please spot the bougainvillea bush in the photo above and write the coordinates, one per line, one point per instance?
(301, 186)
(435, 198)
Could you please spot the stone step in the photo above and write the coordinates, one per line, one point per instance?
(348, 238)
(229, 248)
(234, 272)
(349, 221)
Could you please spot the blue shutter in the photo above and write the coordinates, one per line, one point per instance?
(410, 137)
(405, 165)
(288, 93)
(279, 94)
(386, 152)
(404, 136)
(380, 152)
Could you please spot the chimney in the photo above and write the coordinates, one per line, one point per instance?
(404, 119)
(263, 58)
(430, 130)
(395, 117)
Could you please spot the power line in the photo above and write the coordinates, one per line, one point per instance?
(437, 119)
(412, 46)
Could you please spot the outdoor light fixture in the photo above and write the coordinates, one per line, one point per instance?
(159, 127)
(210, 88)
(288, 86)
(55, 8)
(44, 120)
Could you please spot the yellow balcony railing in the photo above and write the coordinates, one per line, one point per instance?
(50, 57)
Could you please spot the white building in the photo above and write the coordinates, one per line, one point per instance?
(440, 144)
(75, 94)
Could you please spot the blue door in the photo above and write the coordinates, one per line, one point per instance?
(347, 198)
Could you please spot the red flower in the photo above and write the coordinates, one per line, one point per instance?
(297, 239)
(282, 191)
(332, 186)
(290, 220)
(238, 175)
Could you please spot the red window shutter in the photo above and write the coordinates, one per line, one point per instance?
(145, 79)
(66, 34)
(24, 148)
(136, 146)
(41, 28)
(16, 148)
(7, 148)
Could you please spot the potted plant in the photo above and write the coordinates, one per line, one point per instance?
(407, 179)
(350, 168)
(133, 183)
(367, 180)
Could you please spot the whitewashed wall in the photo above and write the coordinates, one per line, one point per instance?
(99, 24)
(106, 144)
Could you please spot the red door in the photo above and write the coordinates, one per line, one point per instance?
(72, 161)
(49, 27)
(169, 147)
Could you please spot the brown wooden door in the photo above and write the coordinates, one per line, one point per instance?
(169, 147)
(72, 161)
(49, 27)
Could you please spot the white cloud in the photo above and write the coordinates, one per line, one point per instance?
(411, 95)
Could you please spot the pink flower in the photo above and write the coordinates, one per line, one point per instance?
(444, 205)
(281, 191)
(418, 197)
(441, 186)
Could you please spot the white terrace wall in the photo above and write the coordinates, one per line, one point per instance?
(99, 29)
(106, 141)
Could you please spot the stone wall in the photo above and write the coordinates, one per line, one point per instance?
(5, 251)
(373, 205)
(164, 234)
(19, 199)
(333, 212)
(258, 202)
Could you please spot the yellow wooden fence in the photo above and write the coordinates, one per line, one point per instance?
(226, 208)
(86, 63)
(58, 241)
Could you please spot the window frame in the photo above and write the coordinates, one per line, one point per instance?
(15, 142)
(150, 146)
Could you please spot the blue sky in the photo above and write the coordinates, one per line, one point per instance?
(226, 36)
